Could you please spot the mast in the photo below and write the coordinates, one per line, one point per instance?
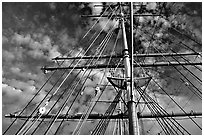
(132, 115)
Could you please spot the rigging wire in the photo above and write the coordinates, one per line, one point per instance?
(84, 53)
(172, 50)
(164, 112)
(189, 48)
(45, 132)
(101, 52)
(178, 62)
(13, 122)
(115, 126)
(76, 130)
(37, 107)
(84, 119)
(60, 110)
(197, 93)
(177, 103)
(25, 123)
(98, 98)
(182, 74)
(154, 112)
(153, 33)
(34, 96)
(96, 22)
(161, 110)
(63, 81)
(182, 33)
(103, 123)
(72, 89)
(186, 35)
(141, 95)
(31, 125)
(41, 101)
(72, 102)
(31, 100)
(100, 82)
(54, 104)
(185, 58)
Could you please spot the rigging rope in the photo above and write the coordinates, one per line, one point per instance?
(177, 61)
(88, 48)
(35, 96)
(182, 74)
(65, 91)
(115, 126)
(154, 113)
(63, 81)
(32, 99)
(103, 123)
(87, 115)
(96, 22)
(161, 111)
(165, 112)
(86, 68)
(43, 99)
(37, 93)
(103, 76)
(60, 110)
(185, 58)
(176, 104)
(171, 98)
(193, 89)
(72, 102)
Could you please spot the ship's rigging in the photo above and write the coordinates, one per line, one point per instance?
(124, 74)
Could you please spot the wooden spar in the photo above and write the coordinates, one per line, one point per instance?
(135, 55)
(95, 16)
(101, 116)
(158, 64)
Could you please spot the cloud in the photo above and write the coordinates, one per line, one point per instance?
(8, 56)
(151, 6)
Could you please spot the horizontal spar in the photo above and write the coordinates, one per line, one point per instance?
(77, 116)
(170, 115)
(98, 16)
(101, 116)
(99, 5)
(158, 64)
(135, 55)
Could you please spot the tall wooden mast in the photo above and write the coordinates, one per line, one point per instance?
(132, 115)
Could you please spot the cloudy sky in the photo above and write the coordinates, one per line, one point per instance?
(34, 33)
